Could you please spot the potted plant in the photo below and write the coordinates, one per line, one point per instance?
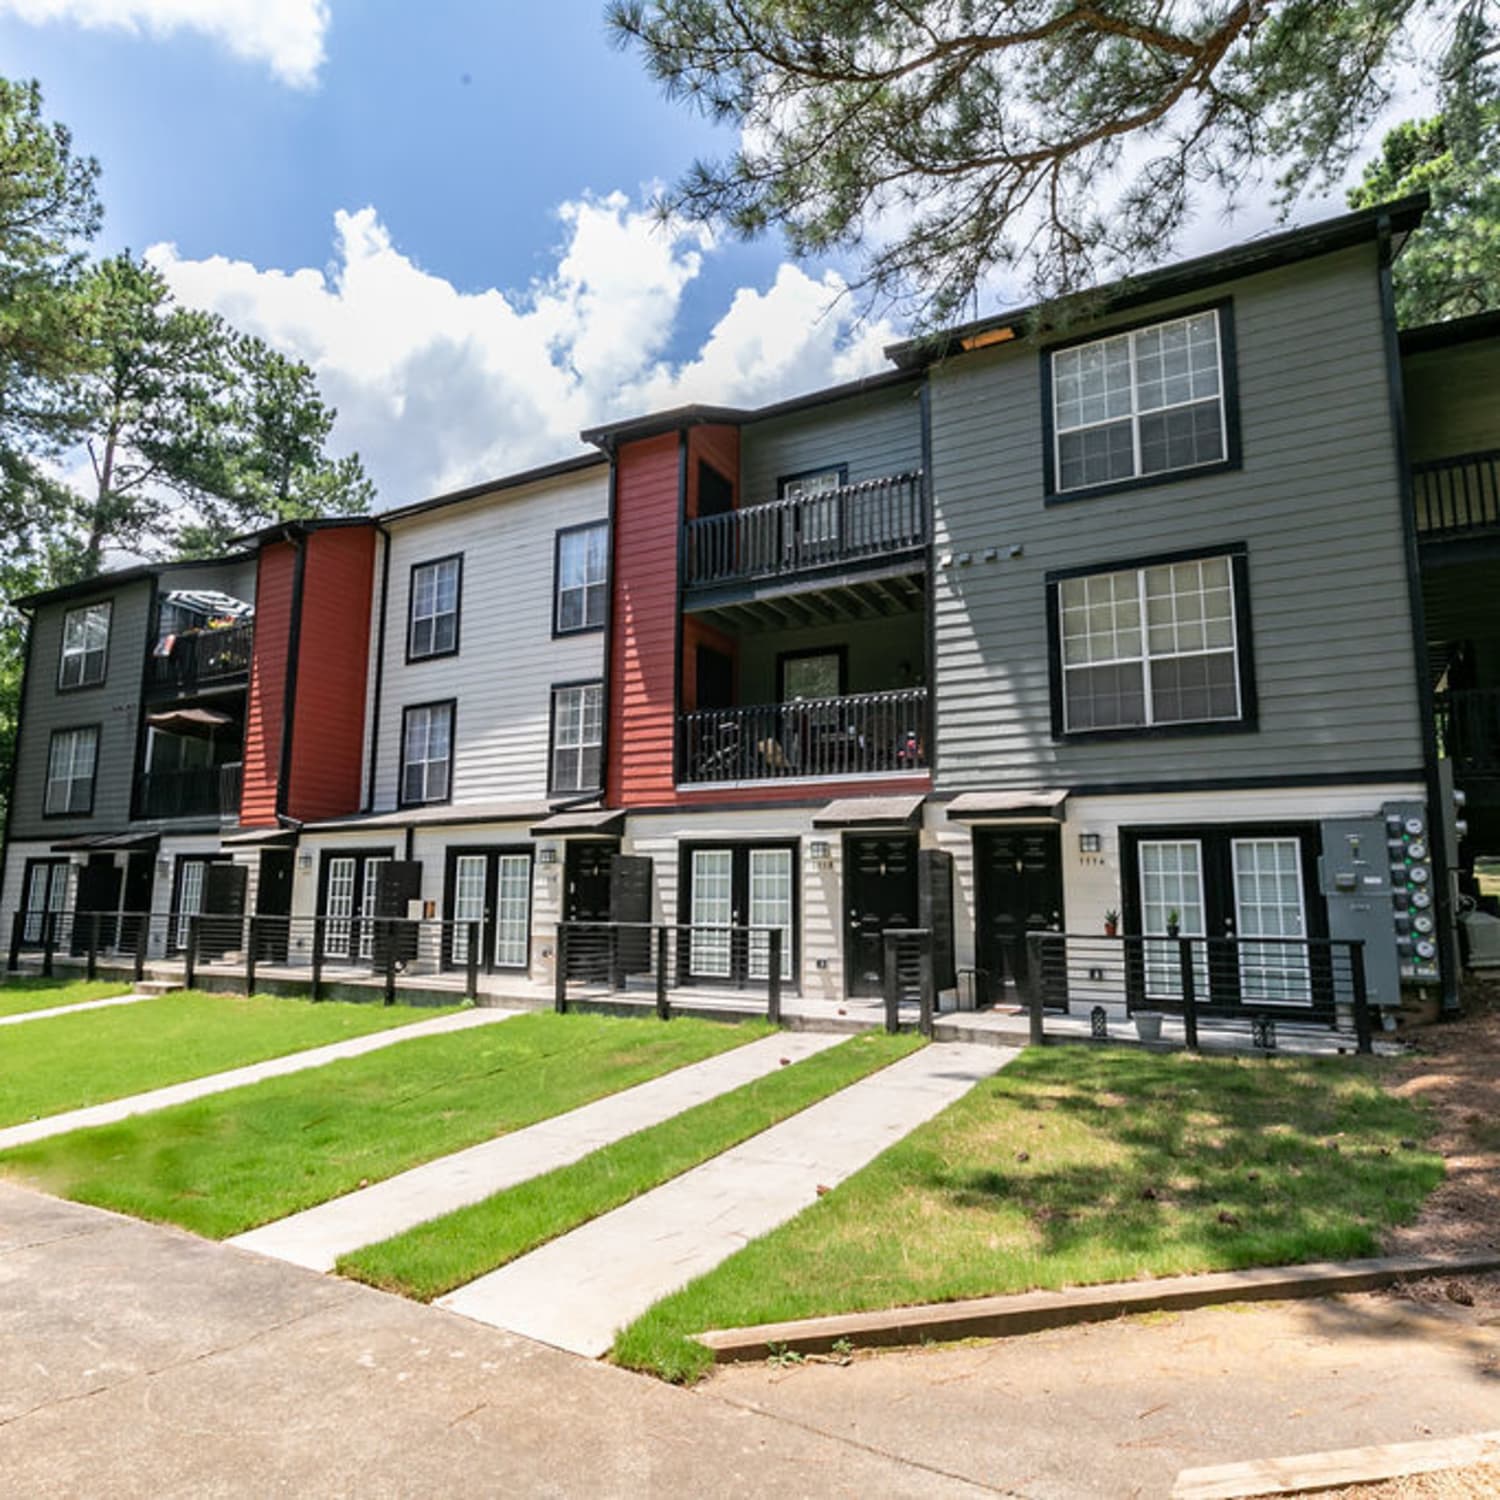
(1111, 923)
(1174, 923)
(1147, 1025)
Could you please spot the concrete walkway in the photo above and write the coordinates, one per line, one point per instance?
(72, 1010)
(318, 1237)
(577, 1291)
(217, 1083)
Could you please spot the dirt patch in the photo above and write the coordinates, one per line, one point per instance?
(1477, 1482)
(1455, 1069)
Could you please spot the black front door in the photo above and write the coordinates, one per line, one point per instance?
(97, 904)
(1018, 874)
(880, 891)
(140, 881)
(586, 876)
(273, 899)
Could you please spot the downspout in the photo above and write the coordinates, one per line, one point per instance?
(924, 407)
(15, 750)
(385, 588)
(289, 696)
(607, 672)
(1437, 813)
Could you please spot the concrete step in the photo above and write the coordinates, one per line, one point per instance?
(159, 986)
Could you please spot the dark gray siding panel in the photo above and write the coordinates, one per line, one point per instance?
(873, 435)
(114, 705)
(1317, 503)
(1451, 404)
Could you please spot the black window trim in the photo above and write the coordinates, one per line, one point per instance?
(98, 728)
(558, 630)
(109, 640)
(782, 480)
(802, 653)
(451, 704)
(1228, 365)
(1238, 554)
(578, 682)
(411, 605)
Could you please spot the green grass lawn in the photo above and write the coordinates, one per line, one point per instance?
(71, 1061)
(1075, 1166)
(32, 993)
(228, 1162)
(435, 1257)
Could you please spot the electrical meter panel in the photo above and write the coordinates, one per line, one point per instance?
(1355, 875)
(1413, 889)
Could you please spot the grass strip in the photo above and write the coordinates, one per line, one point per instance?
(17, 996)
(85, 1059)
(1072, 1167)
(433, 1258)
(228, 1162)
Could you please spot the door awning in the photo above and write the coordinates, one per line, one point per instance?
(107, 841)
(601, 822)
(189, 718)
(870, 812)
(1038, 802)
(261, 838)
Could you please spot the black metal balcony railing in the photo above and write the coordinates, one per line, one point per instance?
(205, 658)
(878, 518)
(200, 791)
(1468, 729)
(1457, 496)
(863, 734)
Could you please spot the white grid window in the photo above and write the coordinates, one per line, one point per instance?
(1172, 883)
(513, 911)
(189, 899)
(1140, 403)
(1150, 646)
(582, 578)
(70, 770)
(577, 737)
(1268, 904)
(770, 906)
(339, 906)
(367, 907)
(817, 517)
(713, 906)
(427, 754)
(85, 646)
(434, 608)
(468, 900)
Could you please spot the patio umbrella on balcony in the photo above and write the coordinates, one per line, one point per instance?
(189, 720)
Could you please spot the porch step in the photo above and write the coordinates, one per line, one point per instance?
(159, 986)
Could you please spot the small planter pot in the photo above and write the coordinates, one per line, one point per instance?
(1148, 1025)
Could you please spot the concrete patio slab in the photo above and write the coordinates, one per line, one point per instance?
(218, 1083)
(317, 1237)
(576, 1292)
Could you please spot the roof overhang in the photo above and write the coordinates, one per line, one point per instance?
(1039, 804)
(871, 812)
(596, 822)
(444, 816)
(261, 838)
(103, 841)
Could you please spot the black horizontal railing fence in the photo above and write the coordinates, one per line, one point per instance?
(312, 949)
(860, 734)
(1468, 729)
(203, 658)
(1317, 982)
(196, 791)
(664, 958)
(1454, 496)
(803, 532)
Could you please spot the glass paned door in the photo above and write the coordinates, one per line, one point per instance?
(770, 906)
(367, 906)
(46, 890)
(189, 898)
(339, 906)
(712, 906)
(1172, 882)
(1268, 904)
(468, 900)
(513, 911)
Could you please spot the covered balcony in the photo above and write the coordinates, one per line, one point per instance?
(1457, 498)
(193, 763)
(203, 643)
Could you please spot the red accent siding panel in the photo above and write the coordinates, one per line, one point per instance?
(267, 698)
(328, 732)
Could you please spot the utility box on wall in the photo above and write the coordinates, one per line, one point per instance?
(1355, 878)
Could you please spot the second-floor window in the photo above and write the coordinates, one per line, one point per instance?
(577, 737)
(72, 758)
(1139, 404)
(1152, 646)
(426, 753)
(85, 646)
(433, 626)
(582, 578)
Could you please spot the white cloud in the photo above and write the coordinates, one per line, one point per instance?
(287, 34)
(438, 388)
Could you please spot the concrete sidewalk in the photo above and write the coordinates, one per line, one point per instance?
(143, 1362)
(577, 1291)
(72, 1010)
(317, 1237)
(217, 1083)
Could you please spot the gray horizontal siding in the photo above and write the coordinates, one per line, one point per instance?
(1317, 503)
(873, 435)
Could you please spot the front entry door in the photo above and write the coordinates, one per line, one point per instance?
(586, 879)
(880, 892)
(97, 903)
(273, 898)
(1018, 874)
(728, 888)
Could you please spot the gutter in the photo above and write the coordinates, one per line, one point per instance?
(368, 801)
(15, 751)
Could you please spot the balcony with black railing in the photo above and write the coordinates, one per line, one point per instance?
(194, 792)
(854, 527)
(186, 663)
(857, 735)
(1457, 497)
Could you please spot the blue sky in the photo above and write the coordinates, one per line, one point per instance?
(441, 207)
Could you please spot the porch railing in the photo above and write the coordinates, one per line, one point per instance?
(860, 521)
(204, 658)
(1458, 496)
(1468, 729)
(199, 791)
(861, 734)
